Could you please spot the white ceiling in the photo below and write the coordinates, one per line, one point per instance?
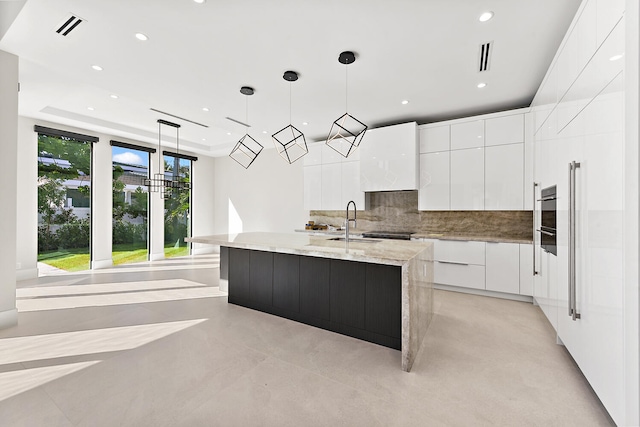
(199, 55)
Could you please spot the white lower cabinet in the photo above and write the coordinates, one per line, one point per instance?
(526, 269)
(463, 275)
(503, 267)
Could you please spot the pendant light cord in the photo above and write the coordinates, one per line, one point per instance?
(346, 90)
(160, 163)
(246, 114)
(289, 102)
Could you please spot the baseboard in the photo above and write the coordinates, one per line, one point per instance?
(156, 257)
(482, 292)
(8, 318)
(105, 263)
(26, 274)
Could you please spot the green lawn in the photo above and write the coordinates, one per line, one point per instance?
(78, 259)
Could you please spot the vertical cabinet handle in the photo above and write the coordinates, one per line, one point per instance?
(573, 309)
(535, 184)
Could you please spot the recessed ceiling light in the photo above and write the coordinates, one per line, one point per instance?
(481, 85)
(204, 139)
(114, 96)
(405, 102)
(264, 131)
(304, 123)
(205, 109)
(616, 57)
(142, 37)
(228, 133)
(96, 67)
(485, 16)
(90, 108)
(199, 1)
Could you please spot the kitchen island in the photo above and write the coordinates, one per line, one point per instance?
(376, 290)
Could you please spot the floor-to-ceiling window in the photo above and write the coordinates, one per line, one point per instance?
(177, 207)
(130, 242)
(64, 200)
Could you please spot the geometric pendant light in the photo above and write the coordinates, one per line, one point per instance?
(346, 132)
(246, 149)
(159, 183)
(289, 141)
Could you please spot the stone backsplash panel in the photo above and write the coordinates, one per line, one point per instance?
(398, 211)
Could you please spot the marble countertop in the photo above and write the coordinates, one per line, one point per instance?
(438, 236)
(390, 252)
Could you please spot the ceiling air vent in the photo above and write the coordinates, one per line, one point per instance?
(69, 24)
(485, 56)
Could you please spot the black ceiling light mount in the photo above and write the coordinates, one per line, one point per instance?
(346, 131)
(246, 149)
(289, 141)
(160, 183)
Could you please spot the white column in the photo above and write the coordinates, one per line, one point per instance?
(202, 203)
(27, 203)
(101, 204)
(156, 216)
(8, 190)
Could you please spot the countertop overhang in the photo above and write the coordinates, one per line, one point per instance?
(389, 252)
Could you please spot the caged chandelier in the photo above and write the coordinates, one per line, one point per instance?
(289, 141)
(160, 183)
(246, 149)
(346, 131)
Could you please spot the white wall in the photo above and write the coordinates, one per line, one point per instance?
(8, 195)
(266, 197)
(203, 206)
(27, 205)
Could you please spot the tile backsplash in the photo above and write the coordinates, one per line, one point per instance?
(398, 211)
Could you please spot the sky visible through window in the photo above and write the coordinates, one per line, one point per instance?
(130, 157)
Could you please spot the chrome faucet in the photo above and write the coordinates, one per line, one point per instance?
(347, 220)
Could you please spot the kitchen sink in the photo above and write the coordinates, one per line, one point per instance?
(355, 240)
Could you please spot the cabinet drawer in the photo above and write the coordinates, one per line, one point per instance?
(459, 251)
(464, 275)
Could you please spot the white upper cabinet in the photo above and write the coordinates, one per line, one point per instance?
(314, 156)
(389, 158)
(434, 192)
(504, 130)
(312, 187)
(503, 267)
(433, 139)
(504, 177)
(331, 192)
(351, 184)
(467, 135)
(329, 155)
(467, 179)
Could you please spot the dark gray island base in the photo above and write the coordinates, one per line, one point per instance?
(358, 299)
(378, 291)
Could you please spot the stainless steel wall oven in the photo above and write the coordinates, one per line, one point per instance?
(548, 226)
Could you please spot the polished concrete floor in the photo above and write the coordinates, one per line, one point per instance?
(158, 345)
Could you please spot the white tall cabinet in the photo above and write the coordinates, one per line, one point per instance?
(578, 115)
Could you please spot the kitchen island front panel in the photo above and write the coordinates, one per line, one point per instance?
(380, 292)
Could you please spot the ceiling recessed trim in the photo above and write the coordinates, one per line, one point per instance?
(178, 117)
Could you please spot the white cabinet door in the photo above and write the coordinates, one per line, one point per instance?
(389, 159)
(314, 156)
(434, 139)
(461, 252)
(503, 267)
(329, 155)
(434, 182)
(312, 187)
(467, 179)
(351, 184)
(463, 275)
(526, 269)
(467, 135)
(504, 177)
(331, 193)
(504, 130)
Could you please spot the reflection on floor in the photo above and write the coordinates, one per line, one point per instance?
(156, 344)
